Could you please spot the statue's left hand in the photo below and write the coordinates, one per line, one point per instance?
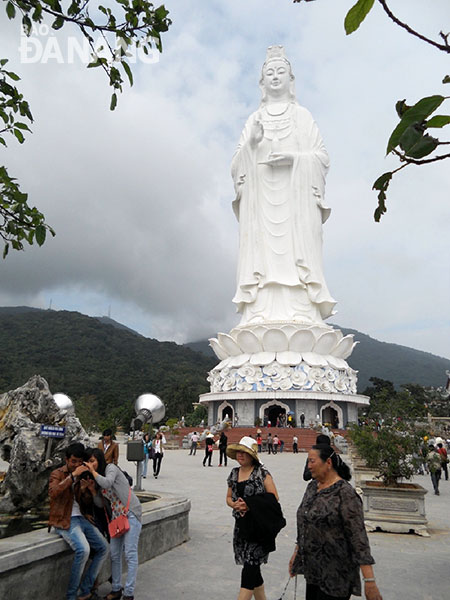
(279, 159)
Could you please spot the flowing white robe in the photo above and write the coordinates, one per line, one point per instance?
(280, 211)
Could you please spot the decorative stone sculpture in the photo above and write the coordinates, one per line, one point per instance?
(279, 172)
(22, 412)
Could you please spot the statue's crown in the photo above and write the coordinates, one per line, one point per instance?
(274, 52)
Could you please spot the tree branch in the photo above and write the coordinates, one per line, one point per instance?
(444, 47)
(414, 161)
(80, 19)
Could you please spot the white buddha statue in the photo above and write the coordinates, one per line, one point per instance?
(279, 172)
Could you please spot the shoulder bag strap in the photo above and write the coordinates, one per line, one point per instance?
(129, 498)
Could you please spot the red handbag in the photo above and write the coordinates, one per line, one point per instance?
(120, 525)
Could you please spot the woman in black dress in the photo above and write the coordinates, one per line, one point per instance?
(250, 479)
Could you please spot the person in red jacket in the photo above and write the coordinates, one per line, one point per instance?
(444, 459)
(69, 523)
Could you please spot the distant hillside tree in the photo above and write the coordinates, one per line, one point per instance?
(387, 402)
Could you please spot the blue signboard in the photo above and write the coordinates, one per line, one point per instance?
(53, 431)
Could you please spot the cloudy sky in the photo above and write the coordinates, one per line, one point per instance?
(141, 198)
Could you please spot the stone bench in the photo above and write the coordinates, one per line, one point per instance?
(37, 564)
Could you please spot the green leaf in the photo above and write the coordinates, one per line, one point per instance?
(410, 137)
(381, 208)
(401, 107)
(161, 12)
(127, 70)
(19, 135)
(10, 10)
(438, 121)
(21, 126)
(446, 79)
(416, 114)
(40, 233)
(12, 75)
(26, 24)
(423, 147)
(5, 250)
(95, 63)
(357, 14)
(113, 101)
(416, 144)
(58, 23)
(382, 183)
(37, 14)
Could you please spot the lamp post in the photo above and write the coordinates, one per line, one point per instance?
(149, 409)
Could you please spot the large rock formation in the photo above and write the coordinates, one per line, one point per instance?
(22, 412)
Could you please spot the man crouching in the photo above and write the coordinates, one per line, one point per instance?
(68, 521)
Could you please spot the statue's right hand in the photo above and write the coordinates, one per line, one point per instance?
(256, 133)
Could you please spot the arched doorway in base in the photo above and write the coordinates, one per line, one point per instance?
(271, 411)
(332, 413)
(225, 411)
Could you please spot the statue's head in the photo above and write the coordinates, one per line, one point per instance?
(276, 75)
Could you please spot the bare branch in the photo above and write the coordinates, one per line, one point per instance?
(414, 161)
(444, 47)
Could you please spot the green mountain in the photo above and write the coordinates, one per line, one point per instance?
(372, 358)
(103, 367)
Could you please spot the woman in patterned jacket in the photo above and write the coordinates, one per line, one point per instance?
(332, 543)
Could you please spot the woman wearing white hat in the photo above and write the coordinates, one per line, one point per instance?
(245, 483)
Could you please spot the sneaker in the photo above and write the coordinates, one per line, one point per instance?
(114, 595)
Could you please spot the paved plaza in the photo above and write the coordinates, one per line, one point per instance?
(408, 567)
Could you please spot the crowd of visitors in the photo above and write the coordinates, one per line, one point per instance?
(93, 508)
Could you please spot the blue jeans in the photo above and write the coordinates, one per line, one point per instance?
(82, 536)
(129, 543)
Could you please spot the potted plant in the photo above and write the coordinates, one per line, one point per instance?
(389, 439)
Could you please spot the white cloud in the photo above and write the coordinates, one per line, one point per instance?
(141, 198)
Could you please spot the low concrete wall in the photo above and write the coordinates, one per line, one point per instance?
(37, 564)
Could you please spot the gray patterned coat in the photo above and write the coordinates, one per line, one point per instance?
(332, 539)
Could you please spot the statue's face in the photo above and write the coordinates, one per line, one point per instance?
(276, 77)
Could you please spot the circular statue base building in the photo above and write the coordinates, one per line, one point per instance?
(275, 370)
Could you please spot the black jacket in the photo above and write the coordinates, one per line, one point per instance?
(263, 521)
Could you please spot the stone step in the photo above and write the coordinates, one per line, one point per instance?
(306, 437)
